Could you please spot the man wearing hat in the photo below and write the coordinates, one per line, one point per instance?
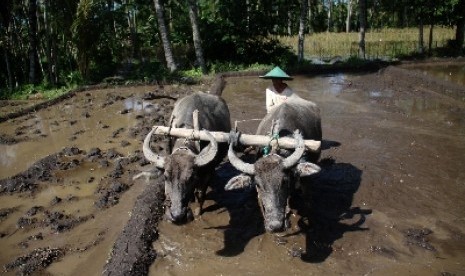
(279, 92)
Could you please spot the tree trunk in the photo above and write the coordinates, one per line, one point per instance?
(32, 16)
(310, 17)
(362, 19)
(303, 15)
(194, 17)
(5, 15)
(164, 36)
(49, 44)
(460, 31)
(430, 40)
(329, 15)
(289, 23)
(131, 17)
(349, 15)
(8, 69)
(420, 37)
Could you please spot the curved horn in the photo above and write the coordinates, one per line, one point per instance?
(207, 154)
(238, 163)
(292, 159)
(158, 160)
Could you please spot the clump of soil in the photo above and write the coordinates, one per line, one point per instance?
(60, 222)
(35, 261)
(132, 253)
(419, 237)
(5, 212)
(27, 181)
(6, 139)
(111, 193)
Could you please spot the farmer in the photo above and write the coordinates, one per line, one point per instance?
(279, 92)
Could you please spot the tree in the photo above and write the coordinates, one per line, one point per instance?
(85, 35)
(460, 23)
(330, 10)
(33, 58)
(303, 15)
(5, 16)
(362, 19)
(159, 9)
(193, 15)
(349, 15)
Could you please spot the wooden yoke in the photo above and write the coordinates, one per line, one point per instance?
(245, 139)
(195, 120)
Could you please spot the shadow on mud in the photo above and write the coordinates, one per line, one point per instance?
(327, 144)
(325, 208)
(329, 212)
(245, 218)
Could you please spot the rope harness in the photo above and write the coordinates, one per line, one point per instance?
(267, 149)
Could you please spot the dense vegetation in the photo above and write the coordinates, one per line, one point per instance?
(68, 42)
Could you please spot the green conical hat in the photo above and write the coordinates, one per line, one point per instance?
(277, 73)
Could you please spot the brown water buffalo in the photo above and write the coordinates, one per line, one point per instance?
(187, 170)
(276, 174)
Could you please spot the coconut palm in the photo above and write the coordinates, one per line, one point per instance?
(193, 15)
(160, 12)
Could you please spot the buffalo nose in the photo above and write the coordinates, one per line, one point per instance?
(178, 215)
(275, 226)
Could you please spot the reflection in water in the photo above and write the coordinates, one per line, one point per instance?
(8, 155)
(381, 93)
(140, 105)
(454, 73)
(337, 84)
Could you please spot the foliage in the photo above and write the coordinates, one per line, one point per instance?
(40, 92)
(73, 78)
(380, 43)
(85, 41)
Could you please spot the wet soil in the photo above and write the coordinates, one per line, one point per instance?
(388, 201)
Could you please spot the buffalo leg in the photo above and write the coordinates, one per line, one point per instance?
(201, 192)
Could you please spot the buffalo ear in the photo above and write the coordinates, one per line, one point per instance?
(307, 169)
(241, 181)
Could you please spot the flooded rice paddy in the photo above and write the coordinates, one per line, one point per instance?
(389, 200)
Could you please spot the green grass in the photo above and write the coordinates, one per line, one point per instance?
(379, 43)
(38, 92)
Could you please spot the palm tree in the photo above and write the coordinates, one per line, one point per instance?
(362, 14)
(5, 15)
(349, 15)
(193, 15)
(164, 36)
(83, 35)
(460, 22)
(303, 14)
(33, 59)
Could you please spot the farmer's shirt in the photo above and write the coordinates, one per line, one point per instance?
(274, 98)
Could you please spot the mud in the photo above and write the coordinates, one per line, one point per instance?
(388, 201)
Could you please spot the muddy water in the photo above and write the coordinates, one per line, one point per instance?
(68, 214)
(389, 202)
(449, 72)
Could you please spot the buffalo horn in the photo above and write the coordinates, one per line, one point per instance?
(208, 153)
(238, 163)
(292, 159)
(158, 160)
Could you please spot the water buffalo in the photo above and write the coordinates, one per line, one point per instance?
(276, 175)
(188, 169)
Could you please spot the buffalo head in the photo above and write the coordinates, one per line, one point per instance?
(272, 176)
(180, 171)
